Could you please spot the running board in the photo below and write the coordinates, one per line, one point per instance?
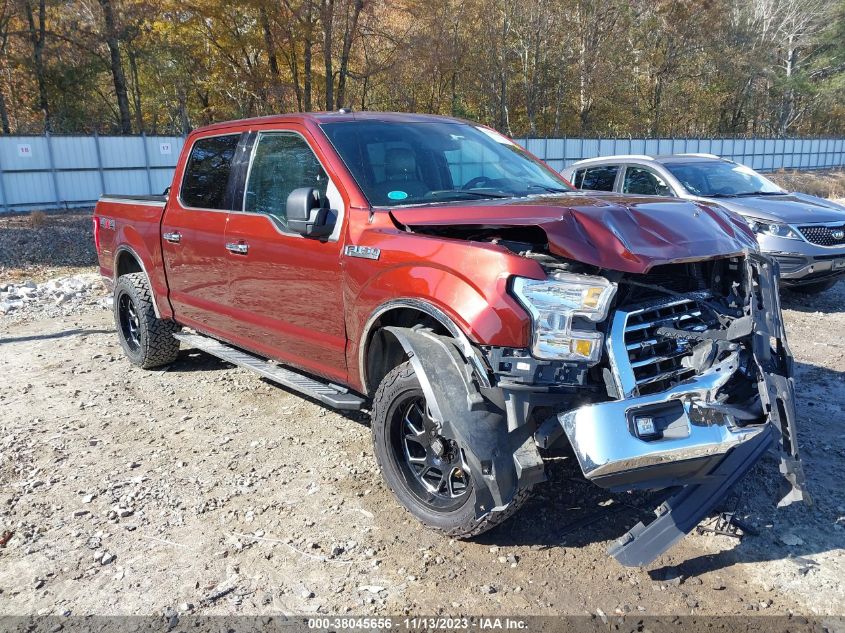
(332, 395)
(677, 516)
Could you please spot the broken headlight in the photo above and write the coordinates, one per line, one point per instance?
(554, 303)
(776, 229)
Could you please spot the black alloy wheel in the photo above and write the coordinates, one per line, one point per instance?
(433, 466)
(130, 324)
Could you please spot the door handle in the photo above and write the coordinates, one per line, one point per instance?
(174, 237)
(238, 248)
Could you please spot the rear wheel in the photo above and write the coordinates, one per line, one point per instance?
(815, 288)
(146, 340)
(426, 471)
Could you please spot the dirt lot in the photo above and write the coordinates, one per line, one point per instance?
(202, 488)
(828, 183)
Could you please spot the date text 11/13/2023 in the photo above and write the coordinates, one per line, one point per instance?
(419, 623)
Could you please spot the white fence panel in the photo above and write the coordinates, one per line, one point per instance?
(72, 171)
(763, 154)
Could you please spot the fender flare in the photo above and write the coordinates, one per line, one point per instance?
(436, 313)
(123, 248)
(493, 454)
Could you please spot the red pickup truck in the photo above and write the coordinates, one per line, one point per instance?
(433, 272)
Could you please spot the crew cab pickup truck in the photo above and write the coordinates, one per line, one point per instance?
(431, 271)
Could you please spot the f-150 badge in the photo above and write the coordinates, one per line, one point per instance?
(367, 252)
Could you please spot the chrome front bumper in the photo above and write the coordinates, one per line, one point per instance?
(689, 434)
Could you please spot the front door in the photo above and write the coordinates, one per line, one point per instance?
(285, 290)
(192, 233)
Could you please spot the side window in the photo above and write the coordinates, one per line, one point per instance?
(599, 178)
(578, 178)
(207, 172)
(282, 162)
(645, 182)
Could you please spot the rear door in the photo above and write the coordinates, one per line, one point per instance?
(285, 290)
(193, 229)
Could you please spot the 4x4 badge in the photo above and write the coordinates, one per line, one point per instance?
(366, 252)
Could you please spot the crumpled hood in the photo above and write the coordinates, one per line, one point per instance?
(613, 231)
(793, 208)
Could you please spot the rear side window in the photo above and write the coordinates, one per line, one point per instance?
(599, 178)
(207, 172)
(283, 162)
(644, 182)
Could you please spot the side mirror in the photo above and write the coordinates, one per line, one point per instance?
(307, 215)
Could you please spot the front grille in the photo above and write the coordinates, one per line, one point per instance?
(654, 362)
(824, 235)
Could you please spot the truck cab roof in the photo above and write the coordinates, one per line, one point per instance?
(338, 116)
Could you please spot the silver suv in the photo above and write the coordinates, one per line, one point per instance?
(805, 234)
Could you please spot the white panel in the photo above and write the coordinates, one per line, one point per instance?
(127, 182)
(572, 148)
(555, 151)
(23, 152)
(535, 146)
(163, 151)
(122, 151)
(29, 188)
(636, 146)
(79, 185)
(74, 152)
(652, 147)
(590, 148)
(607, 147)
(161, 179)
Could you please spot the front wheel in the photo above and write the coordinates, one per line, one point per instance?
(426, 471)
(146, 340)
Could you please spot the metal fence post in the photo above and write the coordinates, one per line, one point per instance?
(100, 163)
(53, 169)
(3, 191)
(147, 163)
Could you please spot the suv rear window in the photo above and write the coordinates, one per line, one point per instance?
(207, 172)
(599, 178)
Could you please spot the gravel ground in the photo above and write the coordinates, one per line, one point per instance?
(203, 489)
(42, 246)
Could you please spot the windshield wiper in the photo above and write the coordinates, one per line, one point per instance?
(549, 189)
(469, 192)
(762, 193)
(720, 195)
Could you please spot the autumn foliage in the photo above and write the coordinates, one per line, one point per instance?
(528, 67)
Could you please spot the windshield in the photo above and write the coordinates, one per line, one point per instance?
(397, 163)
(722, 179)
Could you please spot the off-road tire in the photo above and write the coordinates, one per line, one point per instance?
(156, 345)
(815, 288)
(460, 523)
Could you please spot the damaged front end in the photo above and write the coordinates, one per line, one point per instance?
(700, 386)
(657, 352)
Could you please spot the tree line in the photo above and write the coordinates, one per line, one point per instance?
(527, 67)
